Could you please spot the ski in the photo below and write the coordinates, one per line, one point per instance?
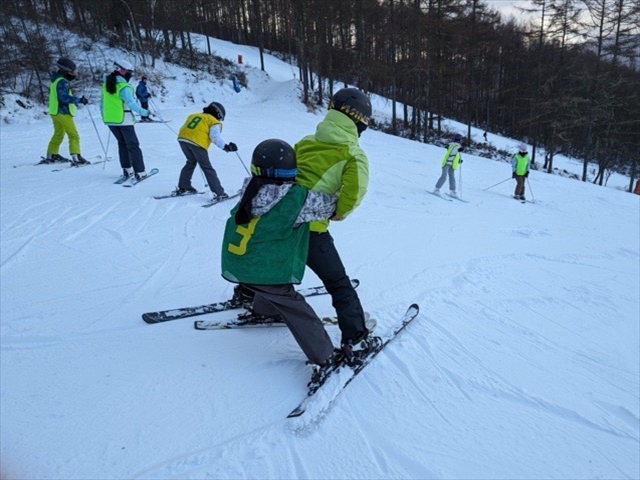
(440, 196)
(135, 181)
(267, 322)
(174, 195)
(338, 379)
(78, 165)
(122, 179)
(177, 313)
(249, 322)
(139, 122)
(457, 198)
(216, 201)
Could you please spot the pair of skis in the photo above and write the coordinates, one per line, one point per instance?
(133, 180)
(450, 199)
(335, 382)
(210, 203)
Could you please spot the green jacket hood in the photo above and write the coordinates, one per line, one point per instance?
(337, 128)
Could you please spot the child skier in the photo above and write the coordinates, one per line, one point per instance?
(265, 246)
(195, 136)
(62, 108)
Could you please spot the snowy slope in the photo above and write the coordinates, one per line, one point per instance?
(524, 361)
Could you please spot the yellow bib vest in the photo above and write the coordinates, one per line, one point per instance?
(196, 129)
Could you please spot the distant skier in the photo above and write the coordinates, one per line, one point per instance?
(195, 136)
(142, 94)
(450, 163)
(117, 107)
(332, 161)
(62, 108)
(520, 167)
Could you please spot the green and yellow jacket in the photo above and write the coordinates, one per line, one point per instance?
(331, 161)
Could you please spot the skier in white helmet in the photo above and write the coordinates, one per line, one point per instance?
(118, 105)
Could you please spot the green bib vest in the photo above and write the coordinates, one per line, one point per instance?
(112, 104)
(268, 250)
(53, 99)
(456, 158)
(521, 163)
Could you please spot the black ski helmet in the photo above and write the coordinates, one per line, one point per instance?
(274, 158)
(66, 65)
(216, 109)
(353, 103)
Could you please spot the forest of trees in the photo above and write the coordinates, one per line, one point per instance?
(567, 81)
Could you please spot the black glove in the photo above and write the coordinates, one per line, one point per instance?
(84, 100)
(526, 175)
(460, 161)
(461, 149)
(230, 147)
(513, 175)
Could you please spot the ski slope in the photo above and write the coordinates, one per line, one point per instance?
(523, 363)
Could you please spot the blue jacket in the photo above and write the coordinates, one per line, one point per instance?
(62, 89)
(141, 92)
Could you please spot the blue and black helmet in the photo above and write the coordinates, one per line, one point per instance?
(274, 158)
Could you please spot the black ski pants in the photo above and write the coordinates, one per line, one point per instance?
(324, 260)
(128, 147)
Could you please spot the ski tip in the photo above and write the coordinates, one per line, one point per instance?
(296, 412)
(414, 306)
(148, 318)
(355, 282)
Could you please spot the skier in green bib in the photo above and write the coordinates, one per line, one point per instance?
(520, 170)
(62, 109)
(265, 245)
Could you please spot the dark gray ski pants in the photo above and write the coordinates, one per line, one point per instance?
(198, 156)
(306, 327)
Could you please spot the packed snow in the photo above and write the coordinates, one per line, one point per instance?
(523, 362)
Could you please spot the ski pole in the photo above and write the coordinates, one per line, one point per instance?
(97, 133)
(106, 159)
(497, 184)
(533, 198)
(155, 107)
(245, 167)
(460, 181)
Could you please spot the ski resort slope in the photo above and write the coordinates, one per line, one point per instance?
(523, 362)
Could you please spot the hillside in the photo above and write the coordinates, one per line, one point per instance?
(523, 363)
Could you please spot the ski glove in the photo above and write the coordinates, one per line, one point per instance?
(230, 147)
(526, 175)
(513, 175)
(84, 100)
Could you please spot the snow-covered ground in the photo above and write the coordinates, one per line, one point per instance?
(523, 363)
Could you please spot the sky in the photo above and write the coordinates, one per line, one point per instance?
(523, 362)
(509, 7)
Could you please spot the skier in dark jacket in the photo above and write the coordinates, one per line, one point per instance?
(62, 108)
(142, 93)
